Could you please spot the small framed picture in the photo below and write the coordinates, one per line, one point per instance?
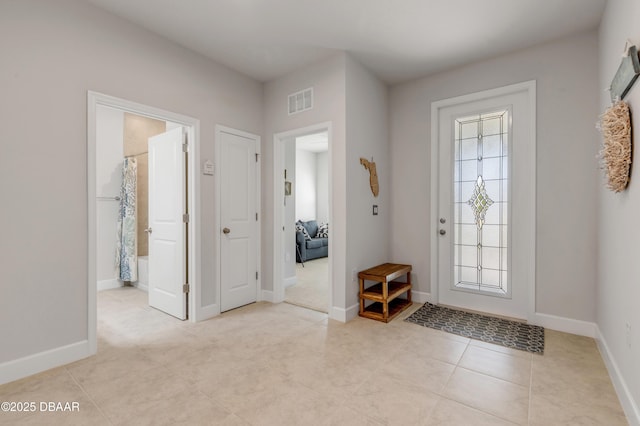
(287, 188)
(626, 75)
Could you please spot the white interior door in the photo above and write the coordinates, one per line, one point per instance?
(167, 229)
(239, 219)
(486, 204)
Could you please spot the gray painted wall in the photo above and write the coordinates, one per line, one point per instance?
(618, 294)
(368, 240)
(52, 54)
(566, 75)
(327, 78)
(345, 92)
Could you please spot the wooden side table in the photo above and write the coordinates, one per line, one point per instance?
(385, 292)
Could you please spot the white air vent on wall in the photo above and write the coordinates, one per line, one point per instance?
(301, 101)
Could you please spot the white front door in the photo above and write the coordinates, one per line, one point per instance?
(239, 220)
(486, 202)
(167, 229)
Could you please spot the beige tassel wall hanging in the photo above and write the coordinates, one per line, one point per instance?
(615, 125)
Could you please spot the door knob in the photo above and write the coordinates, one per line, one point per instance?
(148, 230)
(226, 230)
(442, 232)
(443, 220)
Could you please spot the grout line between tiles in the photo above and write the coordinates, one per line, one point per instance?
(84, 391)
(478, 409)
(495, 378)
(457, 365)
(530, 393)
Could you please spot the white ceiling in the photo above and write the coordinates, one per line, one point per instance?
(397, 39)
(317, 142)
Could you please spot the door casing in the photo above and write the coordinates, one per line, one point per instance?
(192, 125)
(278, 292)
(530, 88)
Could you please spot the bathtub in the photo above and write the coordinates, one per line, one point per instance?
(143, 273)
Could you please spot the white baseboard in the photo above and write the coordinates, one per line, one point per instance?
(290, 282)
(266, 296)
(629, 406)
(141, 286)
(344, 315)
(552, 322)
(206, 312)
(109, 284)
(36, 363)
(566, 325)
(420, 296)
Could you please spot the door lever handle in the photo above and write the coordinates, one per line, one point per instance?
(226, 230)
(148, 230)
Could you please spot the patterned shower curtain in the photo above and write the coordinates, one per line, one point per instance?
(127, 244)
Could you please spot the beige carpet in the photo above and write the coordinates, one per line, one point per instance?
(312, 287)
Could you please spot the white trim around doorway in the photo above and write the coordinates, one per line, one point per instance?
(277, 294)
(192, 125)
(530, 88)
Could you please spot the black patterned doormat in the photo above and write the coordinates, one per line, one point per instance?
(498, 331)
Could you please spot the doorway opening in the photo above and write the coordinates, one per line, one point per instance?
(307, 205)
(142, 206)
(302, 200)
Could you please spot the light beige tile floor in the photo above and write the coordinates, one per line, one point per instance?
(312, 287)
(281, 364)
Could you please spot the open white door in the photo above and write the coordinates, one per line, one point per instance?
(239, 221)
(167, 229)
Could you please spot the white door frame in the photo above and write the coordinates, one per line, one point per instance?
(530, 88)
(278, 208)
(218, 226)
(192, 125)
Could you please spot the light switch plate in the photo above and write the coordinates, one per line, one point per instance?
(207, 168)
(375, 210)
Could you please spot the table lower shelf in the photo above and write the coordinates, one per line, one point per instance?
(395, 289)
(375, 310)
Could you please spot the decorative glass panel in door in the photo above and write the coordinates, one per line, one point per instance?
(481, 203)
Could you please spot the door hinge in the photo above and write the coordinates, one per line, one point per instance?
(185, 218)
(185, 288)
(256, 216)
(257, 155)
(185, 147)
(256, 275)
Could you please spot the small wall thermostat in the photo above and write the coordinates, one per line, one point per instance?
(207, 168)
